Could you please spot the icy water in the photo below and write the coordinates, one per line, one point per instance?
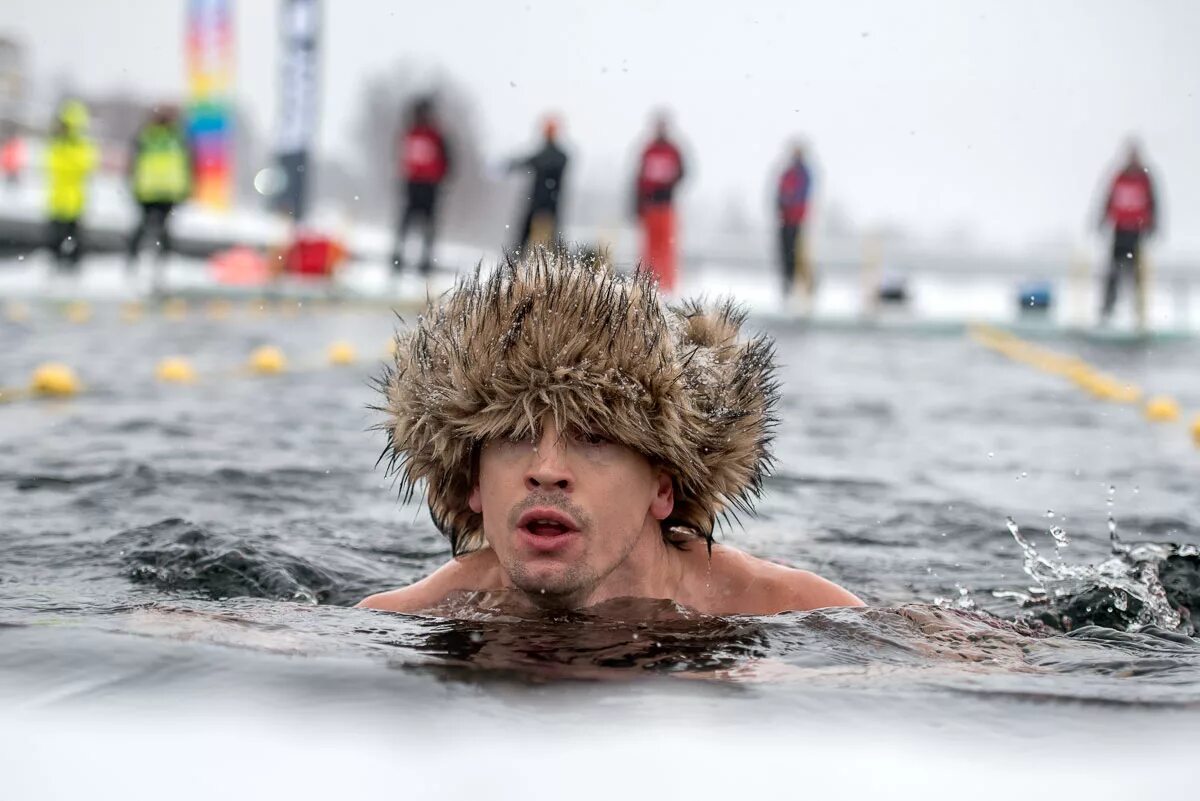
(176, 564)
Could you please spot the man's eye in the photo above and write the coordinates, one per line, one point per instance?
(588, 438)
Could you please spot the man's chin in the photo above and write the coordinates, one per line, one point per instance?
(551, 585)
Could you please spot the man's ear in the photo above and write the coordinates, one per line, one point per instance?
(664, 498)
(475, 501)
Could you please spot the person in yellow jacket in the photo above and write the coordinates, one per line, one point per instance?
(160, 176)
(70, 160)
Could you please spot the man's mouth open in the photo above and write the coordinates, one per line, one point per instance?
(546, 529)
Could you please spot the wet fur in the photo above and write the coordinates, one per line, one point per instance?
(565, 334)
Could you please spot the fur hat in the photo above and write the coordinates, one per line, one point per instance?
(567, 335)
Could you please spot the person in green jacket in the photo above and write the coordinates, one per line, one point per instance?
(70, 160)
(160, 176)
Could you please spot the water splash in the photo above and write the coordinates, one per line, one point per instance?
(1124, 591)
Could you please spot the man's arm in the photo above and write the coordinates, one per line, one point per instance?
(447, 154)
(1152, 226)
(1104, 209)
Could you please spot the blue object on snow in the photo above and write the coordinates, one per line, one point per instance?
(1036, 296)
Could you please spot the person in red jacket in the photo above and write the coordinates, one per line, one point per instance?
(424, 162)
(660, 170)
(1132, 212)
(791, 203)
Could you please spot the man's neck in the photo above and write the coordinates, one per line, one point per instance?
(653, 569)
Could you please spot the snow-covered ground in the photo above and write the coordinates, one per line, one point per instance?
(938, 293)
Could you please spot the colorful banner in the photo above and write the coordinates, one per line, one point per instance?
(210, 80)
(301, 23)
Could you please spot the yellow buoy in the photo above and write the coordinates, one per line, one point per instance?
(131, 312)
(175, 309)
(175, 370)
(16, 313)
(1162, 409)
(341, 353)
(391, 347)
(1196, 429)
(78, 312)
(54, 379)
(268, 360)
(219, 309)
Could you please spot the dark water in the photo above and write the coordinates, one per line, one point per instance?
(160, 543)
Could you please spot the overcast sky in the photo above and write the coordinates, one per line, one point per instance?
(1000, 117)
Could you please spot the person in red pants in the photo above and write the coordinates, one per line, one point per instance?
(660, 170)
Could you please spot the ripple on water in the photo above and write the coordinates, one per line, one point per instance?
(175, 555)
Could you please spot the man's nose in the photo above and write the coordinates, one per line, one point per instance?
(548, 468)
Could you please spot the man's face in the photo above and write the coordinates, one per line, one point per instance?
(569, 514)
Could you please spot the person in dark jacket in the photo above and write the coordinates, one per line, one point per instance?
(423, 163)
(791, 205)
(1132, 211)
(160, 176)
(542, 224)
(660, 169)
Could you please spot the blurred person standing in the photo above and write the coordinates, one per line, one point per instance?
(1133, 212)
(546, 166)
(791, 204)
(423, 164)
(70, 161)
(660, 170)
(160, 177)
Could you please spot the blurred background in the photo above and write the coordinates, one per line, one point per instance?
(967, 151)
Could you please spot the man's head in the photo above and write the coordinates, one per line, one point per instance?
(163, 114)
(662, 124)
(421, 111)
(1133, 154)
(73, 117)
(559, 391)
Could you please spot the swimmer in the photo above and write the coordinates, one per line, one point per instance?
(576, 442)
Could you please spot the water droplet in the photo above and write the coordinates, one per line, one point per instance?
(991, 455)
(1061, 540)
(1050, 513)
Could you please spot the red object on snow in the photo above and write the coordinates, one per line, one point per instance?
(12, 156)
(313, 255)
(240, 266)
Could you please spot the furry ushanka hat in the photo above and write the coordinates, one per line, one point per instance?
(567, 335)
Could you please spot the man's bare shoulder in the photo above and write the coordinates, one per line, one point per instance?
(468, 573)
(747, 585)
